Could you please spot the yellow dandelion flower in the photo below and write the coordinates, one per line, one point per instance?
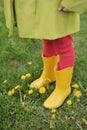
(53, 110)
(13, 91)
(30, 91)
(9, 92)
(24, 96)
(69, 102)
(42, 90)
(5, 81)
(28, 75)
(17, 87)
(84, 121)
(51, 126)
(23, 77)
(53, 116)
(77, 93)
(75, 85)
(29, 63)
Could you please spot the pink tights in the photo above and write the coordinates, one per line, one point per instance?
(62, 47)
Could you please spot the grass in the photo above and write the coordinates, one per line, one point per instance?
(29, 114)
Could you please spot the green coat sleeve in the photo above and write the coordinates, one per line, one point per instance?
(78, 6)
(9, 16)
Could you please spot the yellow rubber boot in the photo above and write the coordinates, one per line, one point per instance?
(48, 74)
(62, 89)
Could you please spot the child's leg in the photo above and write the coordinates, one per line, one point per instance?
(64, 48)
(48, 48)
(50, 59)
(63, 72)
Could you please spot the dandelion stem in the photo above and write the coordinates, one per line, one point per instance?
(79, 126)
(20, 96)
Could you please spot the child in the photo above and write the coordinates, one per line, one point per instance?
(53, 21)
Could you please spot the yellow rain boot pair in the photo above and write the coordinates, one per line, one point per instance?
(48, 74)
(62, 89)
